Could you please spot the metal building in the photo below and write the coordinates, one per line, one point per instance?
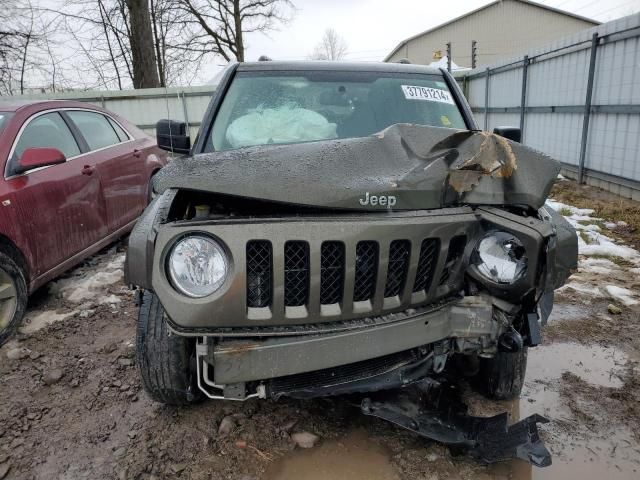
(501, 29)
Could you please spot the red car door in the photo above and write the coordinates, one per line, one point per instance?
(60, 206)
(119, 162)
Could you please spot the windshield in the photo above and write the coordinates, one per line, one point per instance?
(280, 107)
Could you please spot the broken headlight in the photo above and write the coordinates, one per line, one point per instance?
(501, 257)
(197, 266)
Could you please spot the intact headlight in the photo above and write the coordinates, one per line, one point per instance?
(198, 266)
(501, 257)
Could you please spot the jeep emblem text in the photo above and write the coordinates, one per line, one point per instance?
(382, 200)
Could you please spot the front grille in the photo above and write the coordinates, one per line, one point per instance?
(343, 274)
(454, 254)
(426, 264)
(296, 273)
(399, 253)
(331, 272)
(259, 273)
(366, 271)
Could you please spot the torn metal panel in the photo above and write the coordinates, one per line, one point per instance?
(435, 411)
(494, 157)
(411, 167)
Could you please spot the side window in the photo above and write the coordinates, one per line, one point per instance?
(95, 128)
(48, 130)
(122, 135)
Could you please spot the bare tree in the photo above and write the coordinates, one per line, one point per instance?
(170, 35)
(331, 47)
(23, 47)
(143, 55)
(220, 25)
(12, 38)
(97, 34)
(111, 44)
(111, 41)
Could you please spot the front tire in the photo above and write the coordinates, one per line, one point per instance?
(502, 377)
(164, 358)
(13, 296)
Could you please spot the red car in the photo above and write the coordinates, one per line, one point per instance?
(74, 178)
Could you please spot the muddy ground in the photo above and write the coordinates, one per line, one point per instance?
(71, 403)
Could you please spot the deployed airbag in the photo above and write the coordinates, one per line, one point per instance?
(286, 124)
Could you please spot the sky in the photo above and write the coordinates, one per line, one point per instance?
(372, 28)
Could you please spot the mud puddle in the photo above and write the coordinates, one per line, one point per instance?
(594, 364)
(354, 457)
(580, 449)
(584, 464)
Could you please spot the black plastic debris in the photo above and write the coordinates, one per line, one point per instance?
(434, 410)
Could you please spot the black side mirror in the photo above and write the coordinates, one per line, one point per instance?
(512, 133)
(173, 136)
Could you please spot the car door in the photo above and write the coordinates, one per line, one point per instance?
(60, 206)
(119, 164)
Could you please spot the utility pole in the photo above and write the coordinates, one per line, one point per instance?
(449, 57)
(474, 53)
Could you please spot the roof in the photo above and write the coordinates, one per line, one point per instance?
(338, 67)
(15, 105)
(528, 2)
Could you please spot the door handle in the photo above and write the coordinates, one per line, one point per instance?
(87, 170)
(136, 153)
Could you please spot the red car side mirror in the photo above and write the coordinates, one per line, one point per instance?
(39, 157)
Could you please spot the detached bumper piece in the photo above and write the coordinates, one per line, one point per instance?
(429, 411)
(388, 372)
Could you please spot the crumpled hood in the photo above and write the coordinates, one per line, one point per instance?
(404, 167)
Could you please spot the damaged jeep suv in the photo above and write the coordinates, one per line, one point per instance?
(342, 228)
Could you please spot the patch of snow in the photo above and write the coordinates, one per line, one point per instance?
(582, 288)
(597, 243)
(561, 177)
(557, 206)
(88, 284)
(117, 263)
(110, 299)
(586, 263)
(599, 266)
(606, 248)
(591, 242)
(599, 270)
(623, 295)
(40, 319)
(82, 288)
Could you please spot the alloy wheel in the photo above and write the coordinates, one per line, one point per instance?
(8, 299)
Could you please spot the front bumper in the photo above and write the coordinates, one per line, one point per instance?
(468, 321)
